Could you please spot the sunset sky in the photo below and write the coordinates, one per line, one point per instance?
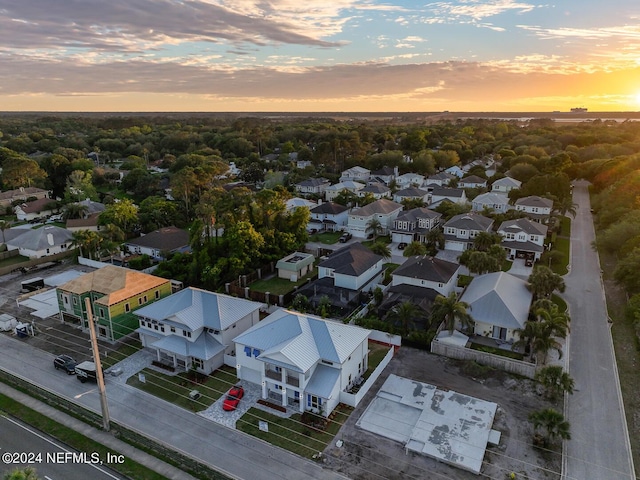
(319, 55)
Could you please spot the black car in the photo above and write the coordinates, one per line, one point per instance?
(345, 237)
(66, 363)
(402, 246)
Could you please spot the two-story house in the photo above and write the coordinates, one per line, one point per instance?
(159, 243)
(523, 238)
(411, 193)
(315, 186)
(461, 230)
(329, 216)
(301, 361)
(195, 328)
(23, 193)
(455, 170)
(414, 225)
(114, 293)
(472, 181)
(332, 191)
(383, 210)
(535, 207)
(376, 190)
(409, 180)
(455, 195)
(385, 175)
(496, 202)
(354, 267)
(427, 272)
(356, 174)
(440, 179)
(505, 185)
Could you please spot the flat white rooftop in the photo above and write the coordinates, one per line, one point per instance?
(445, 425)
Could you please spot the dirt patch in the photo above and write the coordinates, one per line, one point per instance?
(365, 455)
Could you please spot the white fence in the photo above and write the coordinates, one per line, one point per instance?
(352, 399)
(385, 337)
(503, 363)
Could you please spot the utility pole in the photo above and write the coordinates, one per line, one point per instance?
(98, 364)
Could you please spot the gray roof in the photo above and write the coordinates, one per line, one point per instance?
(375, 188)
(313, 182)
(524, 246)
(535, 201)
(498, 299)
(470, 221)
(194, 308)
(447, 192)
(429, 268)
(441, 176)
(491, 198)
(354, 260)
(299, 341)
(523, 225)
(167, 238)
(415, 213)
(473, 179)
(92, 207)
(322, 381)
(329, 208)
(508, 182)
(41, 238)
(384, 171)
(411, 192)
(379, 206)
(347, 184)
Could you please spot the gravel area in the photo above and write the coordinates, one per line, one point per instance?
(216, 414)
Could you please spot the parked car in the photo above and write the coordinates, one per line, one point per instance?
(86, 371)
(66, 363)
(345, 237)
(402, 246)
(233, 398)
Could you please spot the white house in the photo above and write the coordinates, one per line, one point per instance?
(383, 210)
(158, 243)
(333, 191)
(455, 195)
(411, 193)
(472, 181)
(39, 242)
(353, 267)
(195, 328)
(455, 170)
(428, 272)
(297, 202)
(497, 202)
(376, 189)
(329, 216)
(523, 238)
(409, 180)
(536, 208)
(439, 179)
(460, 230)
(505, 185)
(301, 361)
(312, 185)
(38, 208)
(385, 175)
(499, 305)
(414, 225)
(356, 174)
(295, 266)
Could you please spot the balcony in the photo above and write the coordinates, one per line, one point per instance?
(293, 381)
(273, 374)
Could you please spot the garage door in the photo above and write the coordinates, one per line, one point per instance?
(250, 375)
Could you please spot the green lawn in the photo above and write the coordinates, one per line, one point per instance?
(176, 388)
(386, 239)
(13, 261)
(290, 433)
(562, 305)
(328, 238)
(118, 355)
(376, 353)
(279, 286)
(497, 351)
(562, 245)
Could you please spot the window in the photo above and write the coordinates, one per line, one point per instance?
(314, 401)
(197, 363)
(139, 300)
(102, 331)
(162, 328)
(101, 312)
(327, 362)
(127, 308)
(157, 294)
(256, 352)
(75, 301)
(278, 369)
(278, 387)
(145, 299)
(173, 329)
(155, 327)
(247, 351)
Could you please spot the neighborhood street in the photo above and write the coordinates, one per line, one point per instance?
(599, 448)
(231, 452)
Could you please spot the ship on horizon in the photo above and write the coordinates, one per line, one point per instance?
(579, 110)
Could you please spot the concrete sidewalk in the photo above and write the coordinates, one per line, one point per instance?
(104, 438)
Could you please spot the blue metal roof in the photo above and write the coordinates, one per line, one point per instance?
(322, 381)
(204, 347)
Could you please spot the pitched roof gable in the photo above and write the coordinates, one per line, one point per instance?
(469, 221)
(429, 268)
(167, 238)
(382, 206)
(354, 260)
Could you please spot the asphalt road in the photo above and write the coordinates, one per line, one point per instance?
(21, 445)
(599, 448)
(236, 454)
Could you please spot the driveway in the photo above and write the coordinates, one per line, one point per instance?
(599, 448)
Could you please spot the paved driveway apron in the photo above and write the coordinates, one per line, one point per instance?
(599, 448)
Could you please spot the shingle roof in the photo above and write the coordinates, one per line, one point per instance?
(411, 192)
(195, 308)
(36, 206)
(329, 208)
(116, 283)
(348, 184)
(473, 179)
(498, 299)
(429, 268)
(26, 191)
(41, 238)
(491, 198)
(375, 188)
(300, 340)
(508, 182)
(470, 221)
(441, 176)
(90, 221)
(379, 206)
(535, 201)
(447, 192)
(313, 182)
(167, 238)
(416, 213)
(524, 225)
(384, 171)
(354, 260)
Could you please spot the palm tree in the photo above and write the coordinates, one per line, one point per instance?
(484, 240)
(543, 282)
(565, 206)
(526, 336)
(554, 322)
(80, 239)
(4, 225)
(544, 343)
(74, 210)
(451, 311)
(27, 473)
(404, 314)
(552, 424)
(374, 226)
(381, 249)
(555, 381)
(415, 248)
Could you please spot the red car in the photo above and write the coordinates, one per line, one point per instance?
(233, 398)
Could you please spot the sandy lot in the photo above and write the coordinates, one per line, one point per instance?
(368, 456)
